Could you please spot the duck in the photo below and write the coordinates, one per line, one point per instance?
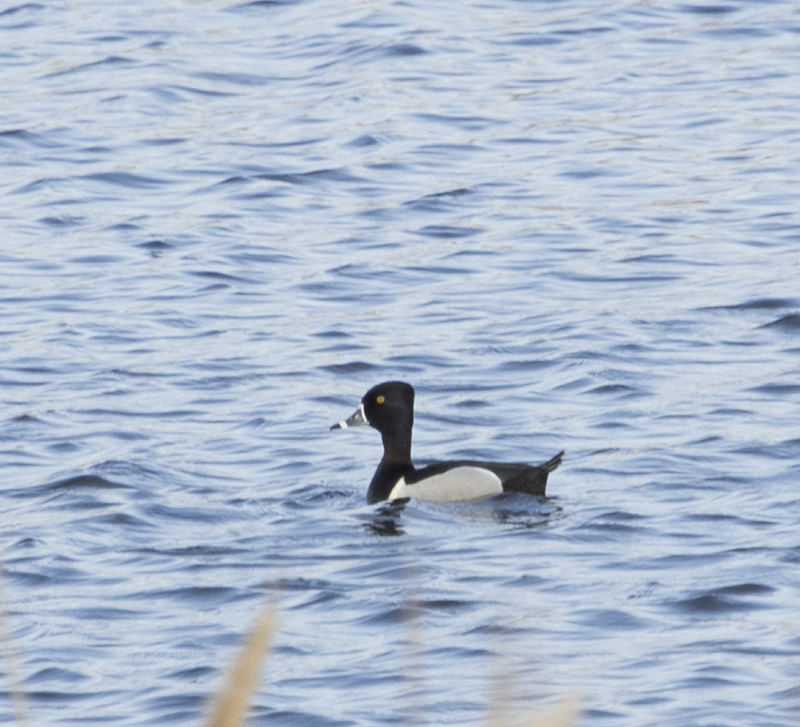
(389, 408)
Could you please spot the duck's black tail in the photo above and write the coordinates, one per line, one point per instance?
(552, 464)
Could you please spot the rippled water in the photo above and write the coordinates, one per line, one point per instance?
(570, 225)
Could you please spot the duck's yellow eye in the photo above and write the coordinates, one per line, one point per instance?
(380, 398)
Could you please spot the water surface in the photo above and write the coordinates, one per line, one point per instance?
(569, 226)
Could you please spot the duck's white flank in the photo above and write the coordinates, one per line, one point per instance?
(455, 485)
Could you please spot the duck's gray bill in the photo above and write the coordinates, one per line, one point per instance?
(357, 420)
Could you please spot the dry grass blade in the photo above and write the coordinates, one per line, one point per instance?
(565, 714)
(11, 663)
(229, 708)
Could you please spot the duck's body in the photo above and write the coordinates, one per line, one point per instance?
(389, 408)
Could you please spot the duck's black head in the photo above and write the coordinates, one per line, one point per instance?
(389, 408)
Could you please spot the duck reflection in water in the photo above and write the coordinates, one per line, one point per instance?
(385, 520)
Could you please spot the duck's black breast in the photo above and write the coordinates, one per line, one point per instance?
(385, 478)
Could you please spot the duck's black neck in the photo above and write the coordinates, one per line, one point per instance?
(396, 447)
(396, 463)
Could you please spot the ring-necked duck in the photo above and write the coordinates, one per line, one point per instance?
(389, 408)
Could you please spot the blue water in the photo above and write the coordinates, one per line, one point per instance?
(571, 225)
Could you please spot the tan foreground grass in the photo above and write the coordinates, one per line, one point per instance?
(566, 713)
(229, 708)
(10, 662)
(504, 709)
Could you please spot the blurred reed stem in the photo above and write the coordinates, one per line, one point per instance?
(10, 660)
(229, 708)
